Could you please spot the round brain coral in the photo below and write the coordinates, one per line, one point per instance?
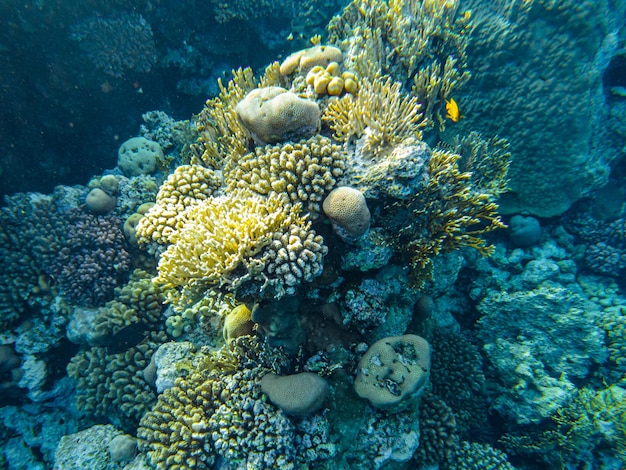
(273, 114)
(347, 209)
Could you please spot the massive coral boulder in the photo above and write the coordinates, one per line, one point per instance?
(393, 372)
(537, 81)
(273, 114)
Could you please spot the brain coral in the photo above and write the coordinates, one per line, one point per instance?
(304, 171)
(223, 243)
(187, 186)
(273, 114)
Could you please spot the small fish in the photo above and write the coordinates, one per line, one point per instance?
(454, 113)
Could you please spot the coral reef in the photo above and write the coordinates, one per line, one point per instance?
(347, 210)
(457, 378)
(379, 115)
(112, 385)
(297, 394)
(273, 114)
(419, 41)
(92, 260)
(446, 215)
(187, 186)
(559, 343)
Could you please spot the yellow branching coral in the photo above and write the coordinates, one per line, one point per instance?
(423, 41)
(380, 113)
(222, 243)
(399, 37)
(487, 159)
(305, 171)
(434, 85)
(446, 215)
(187, 186)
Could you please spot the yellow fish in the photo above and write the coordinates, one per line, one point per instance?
(454, 113)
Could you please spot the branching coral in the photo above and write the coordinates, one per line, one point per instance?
(446, 215)
(187, 186)
(223, 243)
(305, 171)
(487, 159)
(113, 385)
(380, 113)
(93, 260)
(138, 303)
(422, 41)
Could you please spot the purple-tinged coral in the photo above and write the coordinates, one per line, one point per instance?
(93, 259)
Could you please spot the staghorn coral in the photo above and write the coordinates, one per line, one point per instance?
(447, 214)
(186, 187)
(112, 385)
(303, 171)
(117, 44)
(223, 244)
(379, 114)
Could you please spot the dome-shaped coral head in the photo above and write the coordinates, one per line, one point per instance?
(347, 210)
(273, 114)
